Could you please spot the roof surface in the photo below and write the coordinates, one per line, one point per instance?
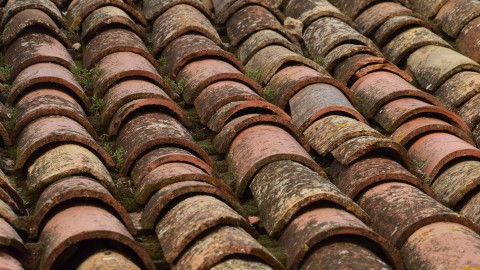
(240, 134)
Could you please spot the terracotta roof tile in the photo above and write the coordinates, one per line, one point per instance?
(167, 205)
(78, 11)
(262, 39)
(104, 17)
(177, 21)
(31, 18)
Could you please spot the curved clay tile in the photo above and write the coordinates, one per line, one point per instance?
(318, 100)
(191, 217)
(118, 66)
(290, 80)
(161, 105)
(406, 42)
(219, 94)
(312, 227)
(376, 15)
(413, 129)
(154, 129)
(352, 8)
(443, 243)
(353, 68)
(190, 47)
(399, 210)
(106, 16)
(343, 253)
(159, 203)
(76, 224)
(7, 199)
(170, 173)
(162, 155)
(112, 41)
(376, 89)
(251, 19)
(471, 209)
(456, 14)
(458, 89)
(5, 137)
(310, 10)
(125, 91)
(428, 8)
(8, 188)
(345, 51)
(224, 9)
(358, 147)
(49, 101)
(433, 151)
(331, 131)
(365, 173)
(271, 58)
(155, 8)
(469, 111)
(201, 73)
(10, 262)
(16, 6)
(177, 21)
(396, 112)
(333, 32)
(63, 161)
(241, 263)
(467, 40)
(284, 188)
(433, 65)
(456, 181)
(8, 214)
(262, 39)
(220, 243)
(245, 156)
(46, 73)
(34, 47)
(109, 259)
(10, 241)
(225, 137)
(79, 10)
(54, 129)
(235, 109)
(31, 18)
(386, 31)
(71, 189)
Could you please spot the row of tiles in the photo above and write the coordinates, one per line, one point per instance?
(262, 145)
(56, 148)
(154, 130)
(214, 74)
(202, 92)
(392, 102)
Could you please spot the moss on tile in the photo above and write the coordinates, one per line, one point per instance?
(125, 192)
(274, 248)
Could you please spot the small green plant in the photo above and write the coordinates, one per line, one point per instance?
(162, 61)
(425, 180)
(320, 61)
(12, 111)
(269, 94)
(96, 105)
(119, 156)
(177, 87)
(419, 163)
(5, 71)
(6, 87)
(117, 153)
(255, 74)
(86, 77)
